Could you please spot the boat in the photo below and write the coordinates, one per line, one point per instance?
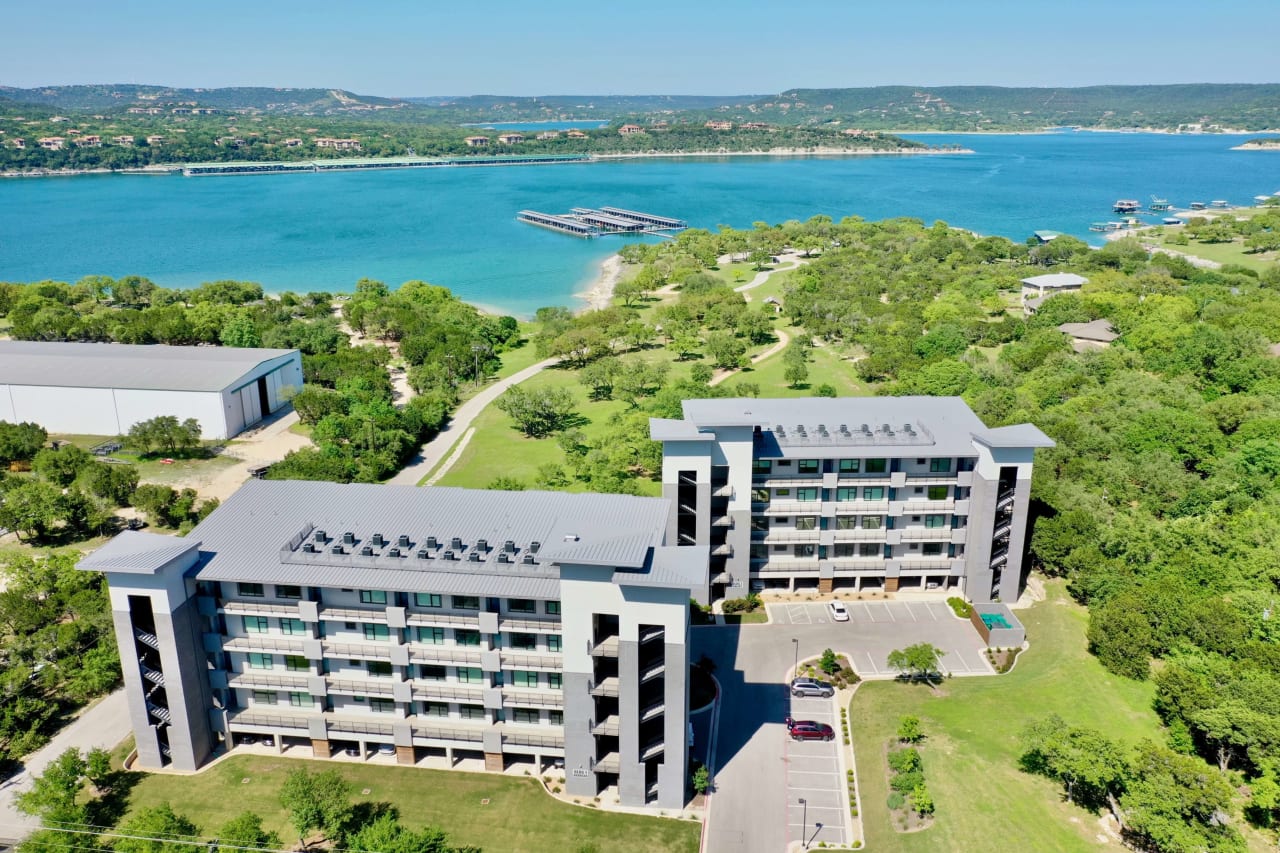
(1159, 205)
(1219, 204)
(1099, 226)
(1171, 220)
(1127, 205)
(1198, 205)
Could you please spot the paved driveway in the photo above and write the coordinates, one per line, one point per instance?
(815, 774)
(753, 806)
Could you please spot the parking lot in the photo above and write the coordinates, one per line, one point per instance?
(815, 774)
(876, 628)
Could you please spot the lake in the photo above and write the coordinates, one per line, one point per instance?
(456, 226)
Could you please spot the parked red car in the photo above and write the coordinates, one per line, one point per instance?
(809, 730)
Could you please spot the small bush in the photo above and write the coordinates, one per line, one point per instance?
(904, 760)
(905, 782)
(960, 607)
(896, 801)
(909, 730)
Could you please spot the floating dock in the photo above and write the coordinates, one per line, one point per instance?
(592, 222)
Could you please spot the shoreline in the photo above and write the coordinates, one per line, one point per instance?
(600, 295)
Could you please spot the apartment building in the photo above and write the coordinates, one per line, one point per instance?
(895, 494)
(449, 623)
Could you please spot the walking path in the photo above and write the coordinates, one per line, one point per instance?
(763, 275)
(783, 340)
(434, 450)
(104, 725)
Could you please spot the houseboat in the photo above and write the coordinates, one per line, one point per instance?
(1198, 205)
(1219, 204)
(1127, 205)
(1159, 205)
(1171, 220)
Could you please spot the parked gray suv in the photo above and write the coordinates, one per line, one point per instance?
(811, 687)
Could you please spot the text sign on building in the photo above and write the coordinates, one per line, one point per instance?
(578, 771)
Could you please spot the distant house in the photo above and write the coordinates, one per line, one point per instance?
(144, 111)
(1043, 237)
(851, 131)
(1040, 287)
(90, 141)
(1097, 334)
(576, 134)
(155, 140)
(719, 125)
(754, 125)
(629, 129)
(477, 141)
(338, 144)
(547, 134)
(126, 141)
(292, 143)
(229, 141)
(19, 142)
(52, 143)
(511, 138)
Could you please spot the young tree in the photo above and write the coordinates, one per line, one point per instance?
(828, 663)
(31, 509)
(53, 793)
(320, 801)
(385, 834)
(240, 331)
(61, 466)
(156, 830)
(245, 830)
(795, 364)
(909, 730)
(916, 661)
(20, 442)
(540, 411)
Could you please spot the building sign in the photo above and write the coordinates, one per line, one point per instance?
(579, 771)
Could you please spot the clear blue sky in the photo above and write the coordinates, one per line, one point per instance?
(429, 47)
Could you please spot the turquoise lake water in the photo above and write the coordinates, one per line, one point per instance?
(456, 226)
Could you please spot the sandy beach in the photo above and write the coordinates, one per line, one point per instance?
(601, 293)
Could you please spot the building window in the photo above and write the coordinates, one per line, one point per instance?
(431, 636)
(435, 709)
(846, 522)
(297, 663)
(806, 550)
(470, 674)
(293, 627)
(373, 596)
(376, 632)
(380, 668)
(555, 718)
(807, 522)
(264, 697)
(382, 706)
(554, 642)
(432, 672)
(779, 549)
(288, 591)
(251, 590)
(872, 522)
(300, 700)
(465, 602)
(937, 493)
(761, 466)
(555, 681)
(255, 624)
(428, 599)
(807, 494)
(522, 605)
(471, 712)
(931, 549)
(933, 522)
(258, 660)
(466, 638)
(521, 678)
(847, 494)
(552, 608)
(524, 642)
(850, 466)
(807, 466)
(845, 549)
(940, 466)
(759, 552)
(349, 626)
(525, 715)
(876, 466)
(873, 493)
(759, 496)
(868, 549)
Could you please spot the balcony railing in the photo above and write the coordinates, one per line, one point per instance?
(261, 608)
(607, 687)
(609, 726)
(357, 651)
(529, 626)
(444, 731)
(262, 643)
(268, 680)
(441, 620)
(352, 614)
(512, 734)
(609, 764)
(532, 698)
(859, 534)
(938, 534)
(428, 653)
(771, 536)
(606, 648)
(259, 718)
(539, 660)
(382, 687)
(436, 691)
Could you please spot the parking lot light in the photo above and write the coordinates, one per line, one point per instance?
(805, 823)
(795, 669)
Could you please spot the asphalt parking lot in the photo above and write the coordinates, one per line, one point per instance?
(815, 774)
(876, 628)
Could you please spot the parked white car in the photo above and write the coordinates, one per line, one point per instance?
(839, 613)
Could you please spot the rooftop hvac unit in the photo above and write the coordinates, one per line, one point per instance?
(431, 543)
(377, 540)
(534, 547)
(482, 544)
(424, 554)
(503, 558)
(402, 541)
(447, 555)
(455, 543)
(320, 537)
(474, 557)
(509, 547)
(348, 538)
(528, 560)
(366, 551)
(338, 549)
(393, 552)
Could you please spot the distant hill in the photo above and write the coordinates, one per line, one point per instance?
(113, 97)
(586, 106)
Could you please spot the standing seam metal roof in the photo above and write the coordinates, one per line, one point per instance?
(155, 367)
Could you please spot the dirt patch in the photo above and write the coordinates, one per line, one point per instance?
(1001, 660)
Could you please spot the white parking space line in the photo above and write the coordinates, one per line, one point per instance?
(911, 612)
(928, 608)
(888, 610)
(871, 663)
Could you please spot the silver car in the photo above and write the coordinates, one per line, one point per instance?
(811, 687)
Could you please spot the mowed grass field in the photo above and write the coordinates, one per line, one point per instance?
(518, 815)
(984, 802)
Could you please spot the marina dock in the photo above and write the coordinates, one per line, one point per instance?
(592, 222)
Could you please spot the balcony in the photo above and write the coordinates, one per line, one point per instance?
(440, 691)
(788, 508)
(606, 648)
(359, 726)
(428, 653)
(859, 534)
(267, 681)
(921, 563)
(552, 661)
(926, 505)
(608, 727)
(263, 643)
(352, 614)
(380, 687)
(722, 521)
(725, 550)
(553, 699)
(779, 536)
(512, 624)
(609, 764)
(928, 534)
(441, 620)
(532, 734)
(357, 651)
(879, 507)
(257, 608)
(607, 687)
(445, 731)
(271, 720)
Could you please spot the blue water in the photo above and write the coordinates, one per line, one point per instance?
(456, 226)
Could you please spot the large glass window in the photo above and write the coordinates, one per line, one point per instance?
(555, 718)
(555, 680)
(521, 678)
(432, 672)
(868, 549)
(255, 624)
(552, 608)
(807, 466)
(940, 466)
(380, 668)
(264, 697)
(288, 591)
(373, 596)
(872, 522)
(251, 590)
(525, 715)
(759, 551)
(876, 466)
(382, 706)
(554, 642)
(806, 550)
(807, 522)
(850, 466)
(294, 627)
(522, 605)
(807, 494)
(435, 709)
(873, 493)
(937, 493)
(847, 494)
(845, 549)
(300, 700)
(761, 466)
(760, 496)
(846, 522)
(374, 631)
(470, 674)
(258, 660)
(466, 638)
(760, 523)
(427, 599)
(297, 663)
(931, 549)
(431, 636)
(471, 712)
(466, 602)
(524, 642)
(933, 522)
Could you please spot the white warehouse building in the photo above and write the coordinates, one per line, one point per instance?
(103, 389)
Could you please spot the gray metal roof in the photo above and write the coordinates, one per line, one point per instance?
(667, 429)
(1097, 330)
(1017, 435)
(262, 533)
(156, 368)
(139, 553)
(1056, 279)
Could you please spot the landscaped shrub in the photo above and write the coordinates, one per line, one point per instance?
(828, 662)
(896, 801)
(961, 607)
(909, 730)
(906, 781)
(904, 760)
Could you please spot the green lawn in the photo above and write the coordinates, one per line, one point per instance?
(519, 816)
(828, 366)
(970, 757)
(1223, 253)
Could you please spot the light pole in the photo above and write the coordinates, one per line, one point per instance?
(805, 822)
(795, 668)
(477, 349)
